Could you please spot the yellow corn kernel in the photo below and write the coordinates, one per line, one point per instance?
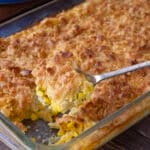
(75, 134)
(47, 100)
(55, 109)
(81, 96)
(90, 88)
(60, 132)
(70, 125)
(33, 139)
(40, 93)
(33, 116)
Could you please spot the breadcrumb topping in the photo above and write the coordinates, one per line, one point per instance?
(97, 36)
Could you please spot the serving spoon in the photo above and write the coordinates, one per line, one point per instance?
(97, 78)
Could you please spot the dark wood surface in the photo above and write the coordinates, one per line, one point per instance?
(136, 138)
(8, 11)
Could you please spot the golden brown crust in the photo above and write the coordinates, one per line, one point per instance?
(114, 127)
(16, 90)
(17, 94)
(114, 93)
(97, 36)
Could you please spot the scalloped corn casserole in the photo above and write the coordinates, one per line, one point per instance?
(37, 65)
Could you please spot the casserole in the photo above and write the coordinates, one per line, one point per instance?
(43, 57)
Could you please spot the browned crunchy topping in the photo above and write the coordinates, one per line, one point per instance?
(17, 93)
(97, 36)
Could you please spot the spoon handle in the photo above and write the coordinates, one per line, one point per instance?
(121, 71)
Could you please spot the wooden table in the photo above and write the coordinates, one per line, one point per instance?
(136, 138)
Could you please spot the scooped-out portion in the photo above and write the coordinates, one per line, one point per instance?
(59, 86)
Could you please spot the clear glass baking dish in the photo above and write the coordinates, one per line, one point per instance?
(102, 131)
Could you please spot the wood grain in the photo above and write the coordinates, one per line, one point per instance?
(8, 11)
(136, 138)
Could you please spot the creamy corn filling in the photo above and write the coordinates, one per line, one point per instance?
(67, 103)
(72, 129)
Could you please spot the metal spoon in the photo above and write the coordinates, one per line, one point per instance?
(97, 78)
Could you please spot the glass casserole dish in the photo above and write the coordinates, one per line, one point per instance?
(15, 139)
(139, 106)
